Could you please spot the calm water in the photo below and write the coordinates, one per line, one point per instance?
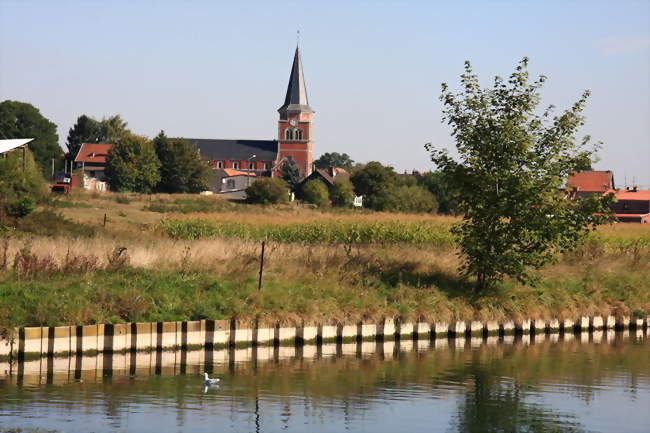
(586, 383)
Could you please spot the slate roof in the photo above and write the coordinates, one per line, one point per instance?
(93, 153)
(237, 150)
(296, 98)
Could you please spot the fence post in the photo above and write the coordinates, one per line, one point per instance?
(259, 284)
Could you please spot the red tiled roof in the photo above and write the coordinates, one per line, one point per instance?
(93, 153)
(641, 194)
(231, 172)
(592, 180)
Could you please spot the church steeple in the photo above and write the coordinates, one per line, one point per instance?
(295, 135)
(296, 100)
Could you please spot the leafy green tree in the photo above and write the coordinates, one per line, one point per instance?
(334, 159)
(442, 189)
(412, 198)
(85, 130)
(342, 193)
(512, 165)
(23, 120)
(267, 190)
(181, 168)
(112, 129)
(16, 182)
(290, 173)
(315, 192)
(132, 165)
(374, 182)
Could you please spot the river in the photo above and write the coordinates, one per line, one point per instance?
(598, 382)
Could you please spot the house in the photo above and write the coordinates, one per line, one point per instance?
(232, 183)
(328, 175)
(632, 205)
(91, 159)
(585, 183)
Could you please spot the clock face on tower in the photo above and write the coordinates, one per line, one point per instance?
(293, 122)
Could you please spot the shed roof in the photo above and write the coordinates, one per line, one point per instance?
(13, 143)
(230, 173)
(237, 150)
(93, 153)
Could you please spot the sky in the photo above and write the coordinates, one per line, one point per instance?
(210, 69)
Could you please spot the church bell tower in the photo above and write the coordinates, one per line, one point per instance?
(295, 124)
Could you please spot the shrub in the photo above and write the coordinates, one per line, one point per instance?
(342, 193)
(49, 223)
(315, 192)
(21, 207)
(122, 199)
(267, 191)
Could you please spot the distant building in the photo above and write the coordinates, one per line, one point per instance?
(632, 205)
(264, 157)
(91, 159)
(584, 183)
(232, 183)
(328, 175)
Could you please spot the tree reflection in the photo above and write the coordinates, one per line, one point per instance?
(493, 404)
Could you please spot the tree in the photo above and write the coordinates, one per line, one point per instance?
(442, 189)
(334, 159)
(342, 193)
(86, 130)
(315, 192)
(374, 182)
(410, 199)
(23, 120)
(17, 182)
(290, 173)
(512, 165)
(181, 168)
(132, 165)
(112, 129)
(267, 190)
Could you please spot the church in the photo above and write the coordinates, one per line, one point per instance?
(265, 157)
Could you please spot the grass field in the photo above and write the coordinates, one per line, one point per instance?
(189, 257)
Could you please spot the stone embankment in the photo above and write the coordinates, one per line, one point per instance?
(29, 343)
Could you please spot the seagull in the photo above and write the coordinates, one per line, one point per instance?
(209, 382)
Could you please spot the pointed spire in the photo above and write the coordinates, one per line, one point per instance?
(296, 98)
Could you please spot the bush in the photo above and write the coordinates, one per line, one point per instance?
(315, 192)
(267, 191)
(342, 193)
(49, 223)
(21, 207)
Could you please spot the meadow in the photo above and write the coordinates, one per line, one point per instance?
(177, 257)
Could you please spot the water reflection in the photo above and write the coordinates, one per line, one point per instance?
(528, 383)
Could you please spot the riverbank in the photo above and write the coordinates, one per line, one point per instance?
(348, 266)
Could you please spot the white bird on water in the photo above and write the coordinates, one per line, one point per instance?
(209, 381)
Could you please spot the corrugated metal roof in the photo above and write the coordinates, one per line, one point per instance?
(13, 143)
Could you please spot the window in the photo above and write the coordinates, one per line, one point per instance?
(298, 134)
(266, 166)
(288, 134)
(219, 164)
(230, 184)
(235, 165)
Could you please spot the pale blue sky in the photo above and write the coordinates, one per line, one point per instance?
(210, 69)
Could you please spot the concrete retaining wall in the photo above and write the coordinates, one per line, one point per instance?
(30, 343)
